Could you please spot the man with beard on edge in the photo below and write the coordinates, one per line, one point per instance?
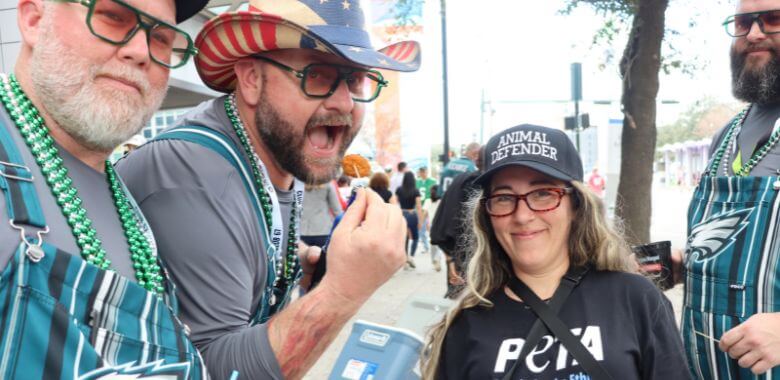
(224, 187)
(82, 293)
(731, 312)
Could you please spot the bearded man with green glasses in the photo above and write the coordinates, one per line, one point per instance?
(82, 292)
(223, 190)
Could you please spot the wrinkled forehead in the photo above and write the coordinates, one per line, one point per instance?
(747, 6)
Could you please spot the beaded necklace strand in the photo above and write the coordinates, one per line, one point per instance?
(730, 142)
(36, 135)
(285, 269)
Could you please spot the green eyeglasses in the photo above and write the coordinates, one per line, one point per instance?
(320, 80)
(739, 25)
(116, 22)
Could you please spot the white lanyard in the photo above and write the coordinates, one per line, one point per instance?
(276, 229)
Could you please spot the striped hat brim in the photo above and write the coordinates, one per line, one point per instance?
(231, 36)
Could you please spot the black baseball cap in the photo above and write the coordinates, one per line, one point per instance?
(188, 8)
(543, 149)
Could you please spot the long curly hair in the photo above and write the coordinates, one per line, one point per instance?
(592, 240)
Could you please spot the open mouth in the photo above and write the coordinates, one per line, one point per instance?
(325, 139)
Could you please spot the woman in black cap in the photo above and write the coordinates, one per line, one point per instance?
(552, 292)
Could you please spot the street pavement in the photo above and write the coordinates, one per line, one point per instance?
(670, 207)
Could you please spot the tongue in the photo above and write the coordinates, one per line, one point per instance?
(319, 137)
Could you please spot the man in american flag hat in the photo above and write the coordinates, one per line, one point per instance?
(223, 188)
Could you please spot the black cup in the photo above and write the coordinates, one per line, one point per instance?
(656, 259)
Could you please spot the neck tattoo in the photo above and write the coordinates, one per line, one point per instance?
(35, 133)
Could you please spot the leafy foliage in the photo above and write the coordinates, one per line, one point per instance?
(405, 11)
(684, 128)
(617, 15)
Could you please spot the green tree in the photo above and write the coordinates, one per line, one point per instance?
(685, 127)
(639, 66)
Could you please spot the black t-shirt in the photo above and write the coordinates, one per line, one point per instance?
(621, 318)
(408, 201)
(384, 193)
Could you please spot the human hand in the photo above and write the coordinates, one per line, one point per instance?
(453, 277)
(755, 343)
(677, 265)
(308, 257)
(366, 248)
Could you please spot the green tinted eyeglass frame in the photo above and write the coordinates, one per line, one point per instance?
(146, 22)
(344, 72)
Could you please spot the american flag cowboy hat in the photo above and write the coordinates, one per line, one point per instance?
(332, 26)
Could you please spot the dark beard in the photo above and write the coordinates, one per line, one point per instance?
(287, 148)
(759, 86)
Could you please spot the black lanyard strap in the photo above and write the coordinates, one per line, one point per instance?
(548, 318)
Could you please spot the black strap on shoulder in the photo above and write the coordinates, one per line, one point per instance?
(556, 325)
(569, 281)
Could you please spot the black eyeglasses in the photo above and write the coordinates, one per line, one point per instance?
(739, 25)
(320, 80)
(539, 200)
(116, 22)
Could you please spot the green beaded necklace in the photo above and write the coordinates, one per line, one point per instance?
(35, 133)
(286, 269)
(731, 139)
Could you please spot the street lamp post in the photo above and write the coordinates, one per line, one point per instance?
(445, 157)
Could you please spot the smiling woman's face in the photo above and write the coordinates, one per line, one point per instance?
(536, 242)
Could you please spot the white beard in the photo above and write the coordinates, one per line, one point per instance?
(98, 117)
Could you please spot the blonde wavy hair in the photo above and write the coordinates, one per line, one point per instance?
(592, 240)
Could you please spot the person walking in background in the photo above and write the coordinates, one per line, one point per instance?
(429, 207)
(540, 234)
(409, 199)
(454, 168)
(451, 230)
(596, 183)
(398, 177)
(380, 183)
(344, 184)
(424, 184)
(320, 207)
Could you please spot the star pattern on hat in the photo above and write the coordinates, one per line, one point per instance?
(323, 1)
(383, 61)
(355, 49)
(346, 4)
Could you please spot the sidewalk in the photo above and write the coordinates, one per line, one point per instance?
(670, 207)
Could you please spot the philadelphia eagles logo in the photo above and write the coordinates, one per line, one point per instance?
(152, 370)
(712, 236)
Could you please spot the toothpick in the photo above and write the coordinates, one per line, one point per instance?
(706, 336)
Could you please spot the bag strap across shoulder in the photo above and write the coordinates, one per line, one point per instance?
(549, 321)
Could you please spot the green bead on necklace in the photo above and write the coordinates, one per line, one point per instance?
(730, 139)
(36, 135)
(288, 268)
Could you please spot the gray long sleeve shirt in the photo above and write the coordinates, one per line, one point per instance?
(209, 237)
(320, 207)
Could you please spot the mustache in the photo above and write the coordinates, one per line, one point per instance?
(333, 119)
(759, 46)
